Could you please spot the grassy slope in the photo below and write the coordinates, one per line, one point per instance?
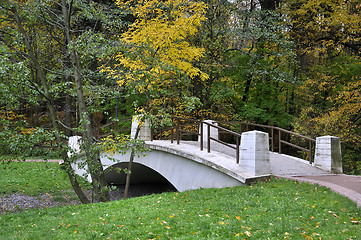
(276, 209)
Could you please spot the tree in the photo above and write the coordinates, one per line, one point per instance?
(327, 34)
(27, 24)
(157, 57)
(257, 81)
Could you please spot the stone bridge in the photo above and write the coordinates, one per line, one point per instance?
(185, 166)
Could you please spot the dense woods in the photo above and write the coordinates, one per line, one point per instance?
(68, 67)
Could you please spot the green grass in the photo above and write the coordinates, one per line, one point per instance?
(277, 209)
(33, 178)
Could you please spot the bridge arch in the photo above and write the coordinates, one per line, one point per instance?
(180, 169)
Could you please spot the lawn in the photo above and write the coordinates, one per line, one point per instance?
(35, 178)
(276, 209)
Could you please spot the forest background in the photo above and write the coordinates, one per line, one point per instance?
(69, 67)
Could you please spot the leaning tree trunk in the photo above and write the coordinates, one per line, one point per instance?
(93, 158)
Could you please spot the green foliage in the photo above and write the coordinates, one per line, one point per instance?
(275, 209)
(17, 139)
(260, 73)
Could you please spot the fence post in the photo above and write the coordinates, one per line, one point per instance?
(208, 137)
(237, 149)
(272, 144)
(310, 151)
(213, 131)
(171, 135)
(279, 142)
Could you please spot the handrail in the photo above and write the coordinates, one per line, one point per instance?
(209, 138)
(179, 132)
(280, 140)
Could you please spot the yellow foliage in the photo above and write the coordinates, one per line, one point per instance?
(325, 24)
(157, 43)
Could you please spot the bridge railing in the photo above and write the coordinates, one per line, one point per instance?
(277, 137)
(236, 135)
(180, 129)
(229, 134)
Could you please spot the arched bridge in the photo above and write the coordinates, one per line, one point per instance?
(209, 161)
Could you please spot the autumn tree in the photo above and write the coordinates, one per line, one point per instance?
(328, 37)
(157, 57)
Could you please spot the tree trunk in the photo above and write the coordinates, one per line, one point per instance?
(93, 158)
(269, 4)
(50, 103)
(131, 159)
(246, 89)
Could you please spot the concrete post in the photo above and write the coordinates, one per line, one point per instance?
(213, 131)
(254, 153)
(145, 130)
(74, 144)
(328, 154)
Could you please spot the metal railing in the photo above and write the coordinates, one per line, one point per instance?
(276, 135)
(209, 138)
(181, 127)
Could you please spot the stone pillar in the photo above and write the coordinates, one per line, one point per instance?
(328, 154)
(213, 131)
(74, 144)
(145, 130)
(254, 153)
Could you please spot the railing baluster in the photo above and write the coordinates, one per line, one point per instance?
(310, 152)
(177, 131)
(237, 149)
(208, 137)
(201, 140)
(272, 142)
(151, 134)
(171, 135)
(279, 141)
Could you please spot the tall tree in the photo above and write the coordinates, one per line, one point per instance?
(39, 33)
(13, 16)
(328, 38)
(157, 57)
